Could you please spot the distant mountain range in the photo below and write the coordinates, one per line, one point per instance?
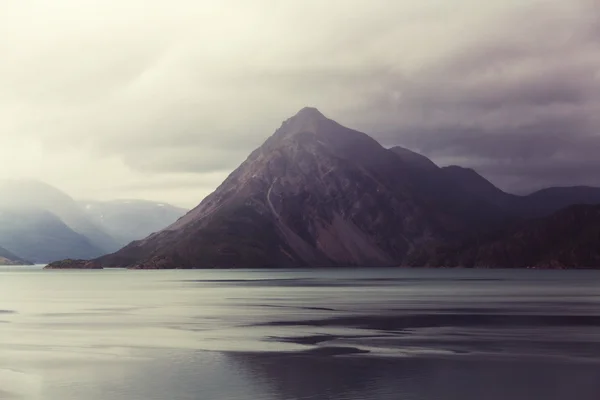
(40, 223)
(129, 220)
(319, 194)
(40, 236)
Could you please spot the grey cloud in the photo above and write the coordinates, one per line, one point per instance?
(508, 87)
(521, 107)
(190, 159)
(189, 181)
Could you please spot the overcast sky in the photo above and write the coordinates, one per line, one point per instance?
(162, 99)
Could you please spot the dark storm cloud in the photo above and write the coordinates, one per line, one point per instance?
(521, 107)
(142, 92)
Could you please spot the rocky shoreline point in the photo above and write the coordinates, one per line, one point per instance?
(73, 264)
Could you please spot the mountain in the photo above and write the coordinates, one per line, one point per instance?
(314, 194)
(129, 220)
(538, 204)
(8, 258)
(320, 194)
(569, 238)
(23, 195)
(448, 195)
(40, 236)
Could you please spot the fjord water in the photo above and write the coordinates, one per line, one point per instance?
(340, 334)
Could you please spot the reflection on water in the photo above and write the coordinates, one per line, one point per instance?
(439, 379)
(326, 334)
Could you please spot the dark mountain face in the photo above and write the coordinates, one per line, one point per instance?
(478, 186)
(129, 220)
(448, 195)
(316, 193)
(40, 236)
(8, 258)
(569, 238)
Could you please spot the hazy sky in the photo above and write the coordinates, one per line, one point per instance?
(162, 99)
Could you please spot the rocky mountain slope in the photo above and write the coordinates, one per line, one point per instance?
(569, 238)
(314, 194)
(129, 220)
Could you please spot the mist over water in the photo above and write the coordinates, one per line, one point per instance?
(343, 334)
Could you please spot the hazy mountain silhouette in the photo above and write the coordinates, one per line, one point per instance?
(40, 236)
(129, 220)
(24, 195)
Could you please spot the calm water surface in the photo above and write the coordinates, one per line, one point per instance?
(281, 335)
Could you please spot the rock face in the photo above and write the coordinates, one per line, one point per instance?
(569, 238)
(314, 194)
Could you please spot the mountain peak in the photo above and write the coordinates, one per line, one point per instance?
(307, 120)
(309, 113)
